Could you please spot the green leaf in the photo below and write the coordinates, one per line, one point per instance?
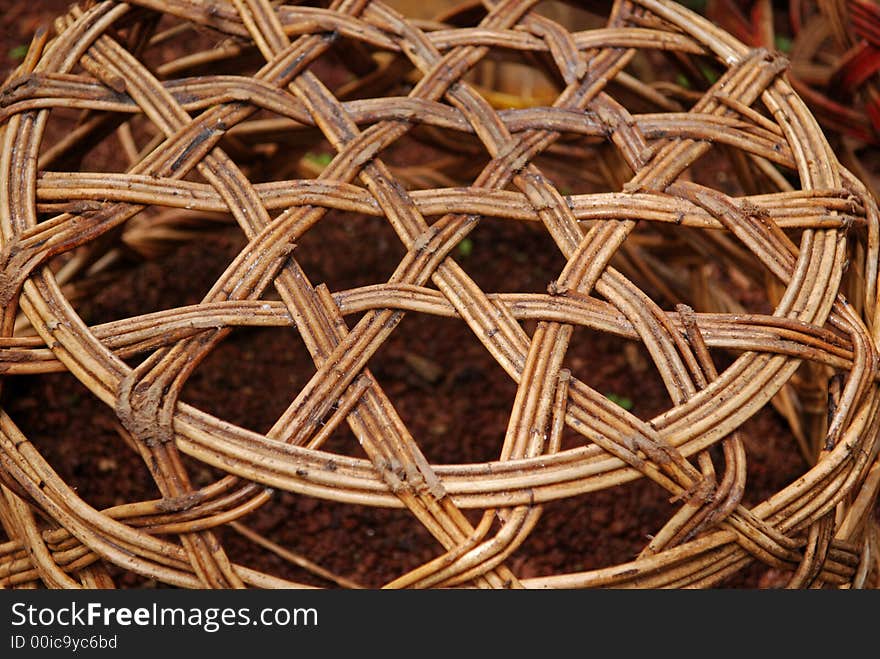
(465, 247)
(709, 72)
(623, 401)
(783, 43)
(320, 159)
(18, 52)
(683, 81)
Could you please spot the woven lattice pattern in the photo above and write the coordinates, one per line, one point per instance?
(801, 226)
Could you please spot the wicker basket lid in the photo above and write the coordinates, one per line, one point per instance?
(223, 108)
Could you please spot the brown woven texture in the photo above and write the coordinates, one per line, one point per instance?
(805, 229)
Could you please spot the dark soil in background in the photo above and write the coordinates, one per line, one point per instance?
(452, 396)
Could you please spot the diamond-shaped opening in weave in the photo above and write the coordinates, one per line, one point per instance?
(146, 286)
(514, 82)
(493, 255)
(718, 169)
(351, 65)
(251, 377)
(737, 173)
(656, 262)
(660, 94)
(179, 49)
(582, 167)
(76, 434)
(435, 157)
(577, 165)
(442, 380)
(367, 545)
(516, 79)
(676, 83)
(355, 69)
(99, 150)
(269, 147)
(426, 159)
(709, 270)
(507, 79)
(348, 250)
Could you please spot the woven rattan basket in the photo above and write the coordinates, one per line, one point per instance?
(273, 117)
